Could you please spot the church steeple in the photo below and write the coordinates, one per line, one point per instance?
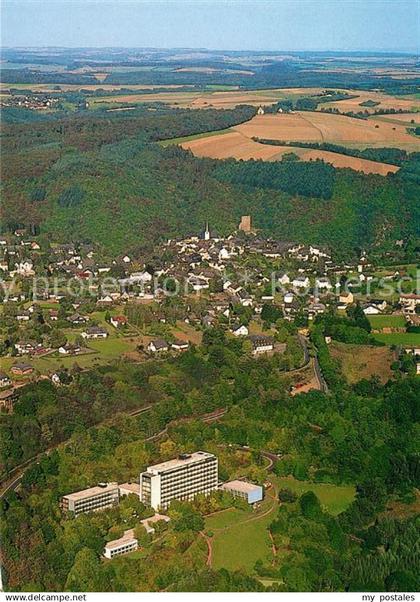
(207, 232)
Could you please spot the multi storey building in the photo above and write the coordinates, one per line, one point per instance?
(179, 479)
(104, 495)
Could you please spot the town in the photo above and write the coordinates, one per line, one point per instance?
(66, 306)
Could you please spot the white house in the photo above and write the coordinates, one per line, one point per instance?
(95, 332)
(240, 331)
(261, 344)
(179, 345)
(301, 282)
(4, 380)
(288, 297)
(371, 310)
(323, 284)
(157, 346)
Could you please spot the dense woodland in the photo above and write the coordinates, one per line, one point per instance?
(70, 179)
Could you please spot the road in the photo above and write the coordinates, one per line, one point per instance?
(319, 376)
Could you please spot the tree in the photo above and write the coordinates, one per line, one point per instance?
(142, 536)
(85, 574)
(310, 506)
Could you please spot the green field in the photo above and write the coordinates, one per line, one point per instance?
(406, 339)
(334, 498)
(243, 543)
(225, 518)
(387, 321)
(193, 137)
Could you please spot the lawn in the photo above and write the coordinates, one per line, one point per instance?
(405, 339)
(225, 518)
(334, 498)
(378, 322)
(242, 544)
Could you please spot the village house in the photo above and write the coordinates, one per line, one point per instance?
(240, 331)
(118, 321)
(261, 343)
(409, 302)
(300, 282)
(77, 319)
(27, 347)
(23, 316)
(346, 298)
(69, 349)
(179, 345)
(157, 346)
(95, 332)
(371, 310)
(283, 279)
(21, 369)
(4, 380)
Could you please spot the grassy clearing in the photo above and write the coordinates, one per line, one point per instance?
(225, 518)
(334, 498)
(363, 361)
(242, 544)
(405, 339)
(387, 321)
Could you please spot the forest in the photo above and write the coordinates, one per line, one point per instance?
(70, 178)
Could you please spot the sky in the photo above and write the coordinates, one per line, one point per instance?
(216, 24)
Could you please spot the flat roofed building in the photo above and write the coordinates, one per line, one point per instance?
(125, 544)
(129, 488)
(250, 492)
(95, 498)
(179, 479)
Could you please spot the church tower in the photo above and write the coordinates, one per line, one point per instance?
(207, 232)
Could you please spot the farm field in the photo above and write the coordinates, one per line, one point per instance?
(314, 126)
(406, 339)
(385, 101)
(231, 144)
(387, 321)
(408, 119)
(308, 126)
(239, 147)
(363, 361)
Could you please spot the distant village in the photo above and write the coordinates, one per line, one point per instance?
(58, 301)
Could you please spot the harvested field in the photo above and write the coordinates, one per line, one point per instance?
(386, 101)
(339, 160)
(231, 144)
(311, 126)
(403, 118)
(236, 144)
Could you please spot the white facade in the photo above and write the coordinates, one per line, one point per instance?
(179, 479)
(125, 544)
(104, 495)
